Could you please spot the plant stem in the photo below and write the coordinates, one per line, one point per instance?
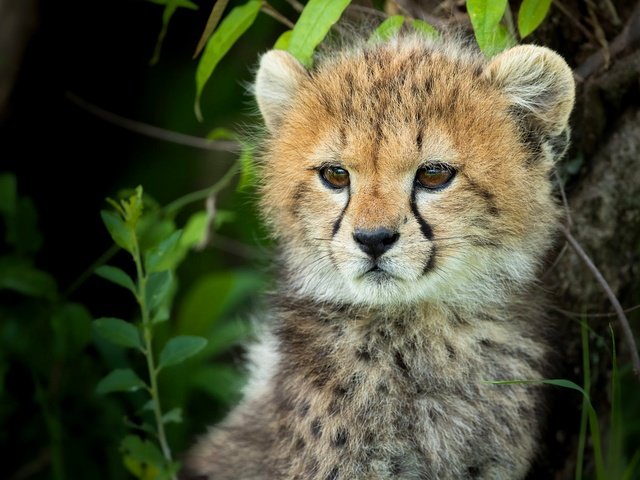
(148, 351)
(177, 204)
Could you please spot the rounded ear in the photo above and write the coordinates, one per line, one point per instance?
(539, 83)
(278, 78)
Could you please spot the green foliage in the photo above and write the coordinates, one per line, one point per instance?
(229, 31)
(170, 8)
(387, 29)
(424, 28)
(212, 23)
(313, 25)
(531, 15)
(485, 18)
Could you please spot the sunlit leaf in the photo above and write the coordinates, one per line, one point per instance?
(212, 23)
(248, 168)
(283, 41)
(424, 28)
(120, 233)
(231, 28)
(165, 256)
(314, 23)
(117, 276)
(179, 349)
(531, 15)
(119, 332)
(195, 230)
(221, 133)
(485, 17)
(387, 29)
(120, 380)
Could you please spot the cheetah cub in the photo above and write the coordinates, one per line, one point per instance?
(408, 186)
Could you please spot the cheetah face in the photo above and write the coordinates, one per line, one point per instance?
(404, 173)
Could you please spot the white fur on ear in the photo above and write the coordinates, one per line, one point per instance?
(538, 81)
(278, 78)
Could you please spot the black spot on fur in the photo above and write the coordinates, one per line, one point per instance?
(450, 350)
(333, 474)
(316, 428)
(340, 439)
(363, 353)
(473, 472)
(300, 444)
(401, 364)
(486, 195)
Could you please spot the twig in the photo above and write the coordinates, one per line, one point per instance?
(577, 22)
(508, 16)
(569, 313)
(273, 13)
(153, 131)
(629, 36)
(624, 322)
(210, 205)
(297, 6)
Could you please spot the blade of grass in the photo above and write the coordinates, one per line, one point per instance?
(212, 23)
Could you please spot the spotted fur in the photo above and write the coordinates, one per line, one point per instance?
(377, 368)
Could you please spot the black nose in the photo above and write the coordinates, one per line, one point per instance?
(375, 242)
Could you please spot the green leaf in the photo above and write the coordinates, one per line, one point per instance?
(179, 349)
(195, 230)
(314, 23)
(424, 28)
(531, 15)
(20, 276)
(177, 3)
(22, 227)
(485, 16)
(387, 29)
(227, 335)
(119, 332)
(283, 41)
(119, 231)
(174, 416)
(502, 41)
(152, 230)
(231, 28)
(120, 380)
(143, 450)
(222, 133)
(556, 382)
(165, 255)
(71, 325)
(198, 315)
(222, 382)
(117, 276)
(248, 168)
(212, 23)
(158, 288)
(169, 10)
(8, 194)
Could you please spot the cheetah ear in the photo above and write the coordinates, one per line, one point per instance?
(278, 78)
(539, 83)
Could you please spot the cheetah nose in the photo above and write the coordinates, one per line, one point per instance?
(375, 242)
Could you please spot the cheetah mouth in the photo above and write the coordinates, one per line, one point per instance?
(379, 274)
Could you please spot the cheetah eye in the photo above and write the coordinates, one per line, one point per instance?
(334, 177)
(435, 176)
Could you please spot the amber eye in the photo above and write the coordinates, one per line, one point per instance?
(435, 176)
(335, 177)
